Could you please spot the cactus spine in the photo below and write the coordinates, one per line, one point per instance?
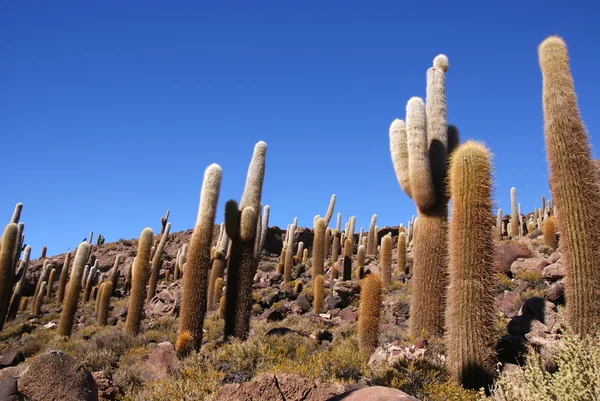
(62, 280)
(155, 270)
(69, 304)
(195, 280)
(424, 145)
(574, 185)
(139, 279)
(470, 312)
(368, 314)
(105, 293)
(386, 259)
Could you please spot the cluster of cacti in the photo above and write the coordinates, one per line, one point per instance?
(420, 150)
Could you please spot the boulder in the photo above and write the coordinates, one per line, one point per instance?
(55, 376)
(107, 391)
(166, 302)
(8, 389)
(507, 253)
(554, 272)
(374, 393)
(529, 264)
(10, 357)
(162, 361)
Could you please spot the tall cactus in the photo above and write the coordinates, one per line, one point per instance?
(368, 314)
(18, 291)
(195, 280)
(574, 186)
(104, 301)
(69, 304)
(514, 216)
(139, 280)
(62, 280)
(39, 300)
(155, 269)
(329, 212)
(401, 254)
(470, 312)
(9, 238)
(218, 269)
(420, 152)
(371, 240)
(386, 259)
(318, 258)
(240, 222)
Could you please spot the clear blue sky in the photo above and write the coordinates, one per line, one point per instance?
(111, 110)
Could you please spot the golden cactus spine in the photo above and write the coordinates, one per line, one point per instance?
(470, 312)
(386, 259)
(574, 185)
(139, 280)
(62, 280)
(69, 304)
(155, 269)
(195, 280)
(104, 302)
(368, 313)
(420, 152)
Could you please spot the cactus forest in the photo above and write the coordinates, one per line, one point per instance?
(462, 301)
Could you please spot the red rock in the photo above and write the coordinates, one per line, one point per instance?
(507, 253)
(375, 393)
(162, 361)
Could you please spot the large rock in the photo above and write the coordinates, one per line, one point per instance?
(8, 389)
(274, 241)
(162, 361)
(554, 272)
(375, 393)
(282, 387)
(166, 302)
(529, 264)
(507, 253)
(107, 391)
(346, 290)
(55, 376)
(10, 357)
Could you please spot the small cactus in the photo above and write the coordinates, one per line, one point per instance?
(39, 300)
(549, 232)
(62, 280)
(104, 297)
(51, 279)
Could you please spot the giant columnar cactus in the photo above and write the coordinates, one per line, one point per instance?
(470, 312)
(368, 314)
(361, 255)
(329, 212)
(217, 291)
(163, 222)
(335, 251)
(240, 222)
(401, 254)
(44, 251)
(18, 244)
(139, 280)
(87, 291)
(155, 269)
(17, 213)
(326, 241)
(347, 262)
(318, 293)
(386, 259)
(549, 232)
(218, 269)
(289, 254)
(574, 185)
(43, 277)
(51, 279)
(9, 238)
(318, 258)
(114, 273)
(371, 240)
(420, 155)
(514, 216)
(104, 297)
(18, 291)
(37, 307)
(300, 251)
(195, 280)
(62, 280)
(263, 231)
(69, 304)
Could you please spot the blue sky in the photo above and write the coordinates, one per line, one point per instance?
(110, 111)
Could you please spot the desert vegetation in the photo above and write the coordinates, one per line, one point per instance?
(460, 304)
